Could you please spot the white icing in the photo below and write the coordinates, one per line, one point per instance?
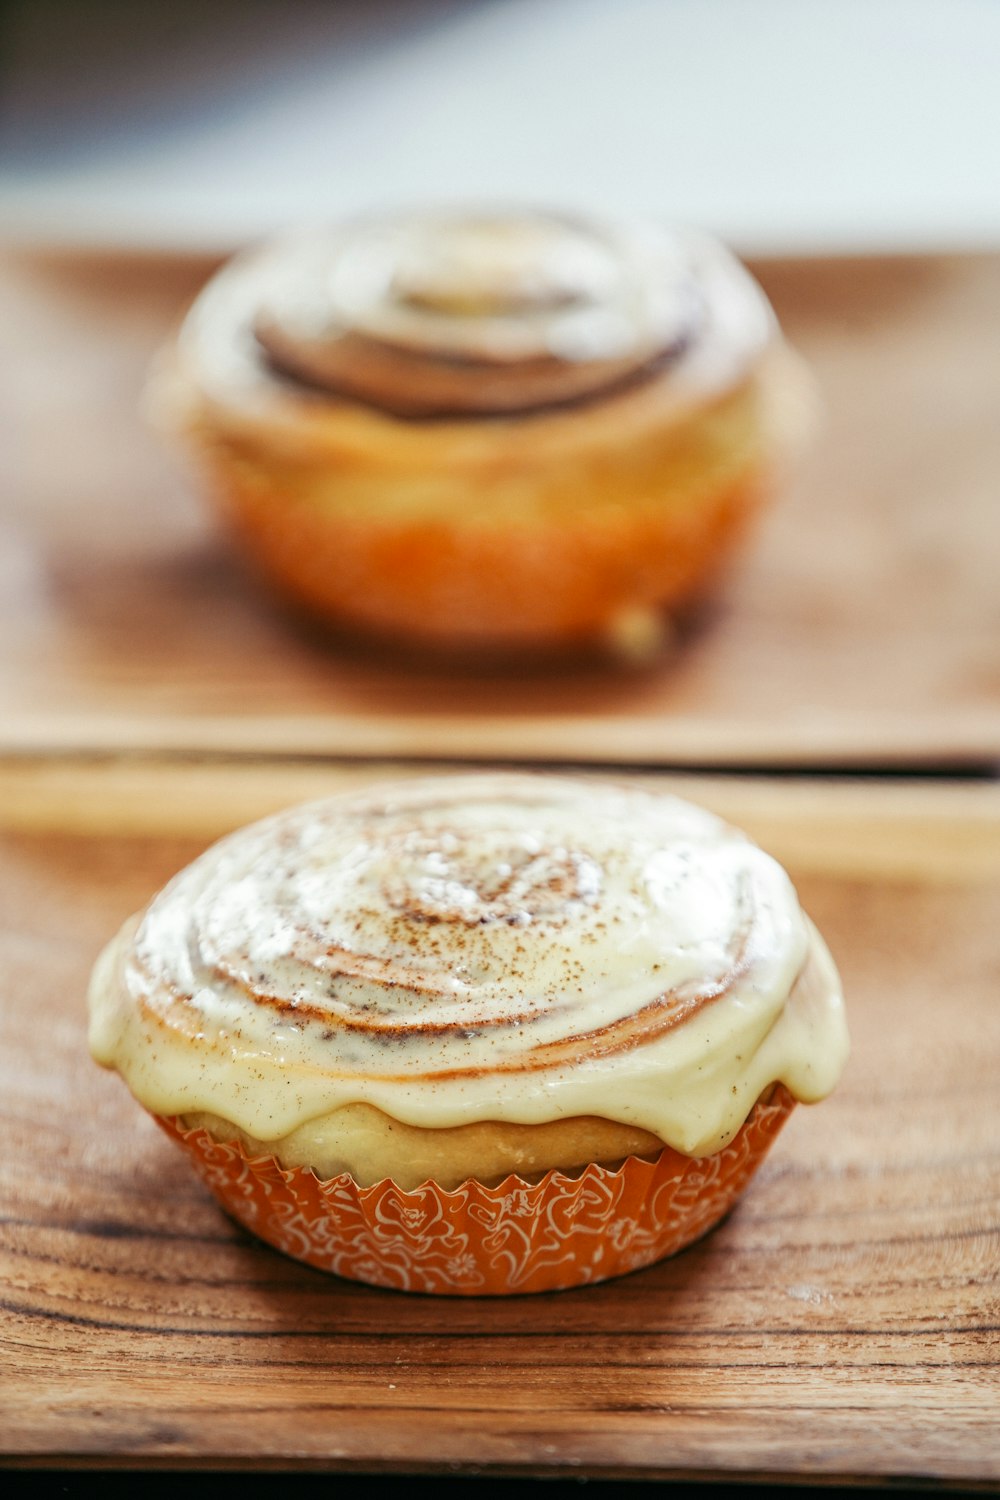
(536, 305)
(475, 947)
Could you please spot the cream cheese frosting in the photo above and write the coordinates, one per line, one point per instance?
(477, 947)
(445, 314)
(458, 314)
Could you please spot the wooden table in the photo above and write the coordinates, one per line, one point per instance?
(842, 1325)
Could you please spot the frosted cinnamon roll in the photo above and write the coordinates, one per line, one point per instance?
(469, 976)
(484, 430)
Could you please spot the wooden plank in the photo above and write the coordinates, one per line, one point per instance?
(865, 826)
(862, 628)
(924, 741)
(840, 1326)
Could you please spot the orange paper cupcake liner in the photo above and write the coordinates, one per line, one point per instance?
(563, 1231)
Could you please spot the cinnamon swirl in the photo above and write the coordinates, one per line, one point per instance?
(469, 976)
(484, 430)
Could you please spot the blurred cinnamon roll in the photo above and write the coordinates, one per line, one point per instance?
(484, 430)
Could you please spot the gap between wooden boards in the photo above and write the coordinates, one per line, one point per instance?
(814, 739)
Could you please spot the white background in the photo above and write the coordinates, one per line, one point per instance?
(786, 126)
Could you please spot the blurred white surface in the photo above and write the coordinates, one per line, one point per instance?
(786, 126)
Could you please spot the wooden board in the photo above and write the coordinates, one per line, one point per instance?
(862, 628)
(842, 1325)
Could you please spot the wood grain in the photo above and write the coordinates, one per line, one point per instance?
(843, 1324)
(864, 826)
(863, 627)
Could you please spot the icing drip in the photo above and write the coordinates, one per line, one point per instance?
(471, 948)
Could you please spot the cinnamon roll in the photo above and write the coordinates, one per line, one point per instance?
(484, 430)
(472, 976)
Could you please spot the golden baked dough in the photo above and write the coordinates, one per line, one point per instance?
(484, 431)
(371, 1146)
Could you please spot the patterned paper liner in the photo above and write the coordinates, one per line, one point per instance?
(488, 1241)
